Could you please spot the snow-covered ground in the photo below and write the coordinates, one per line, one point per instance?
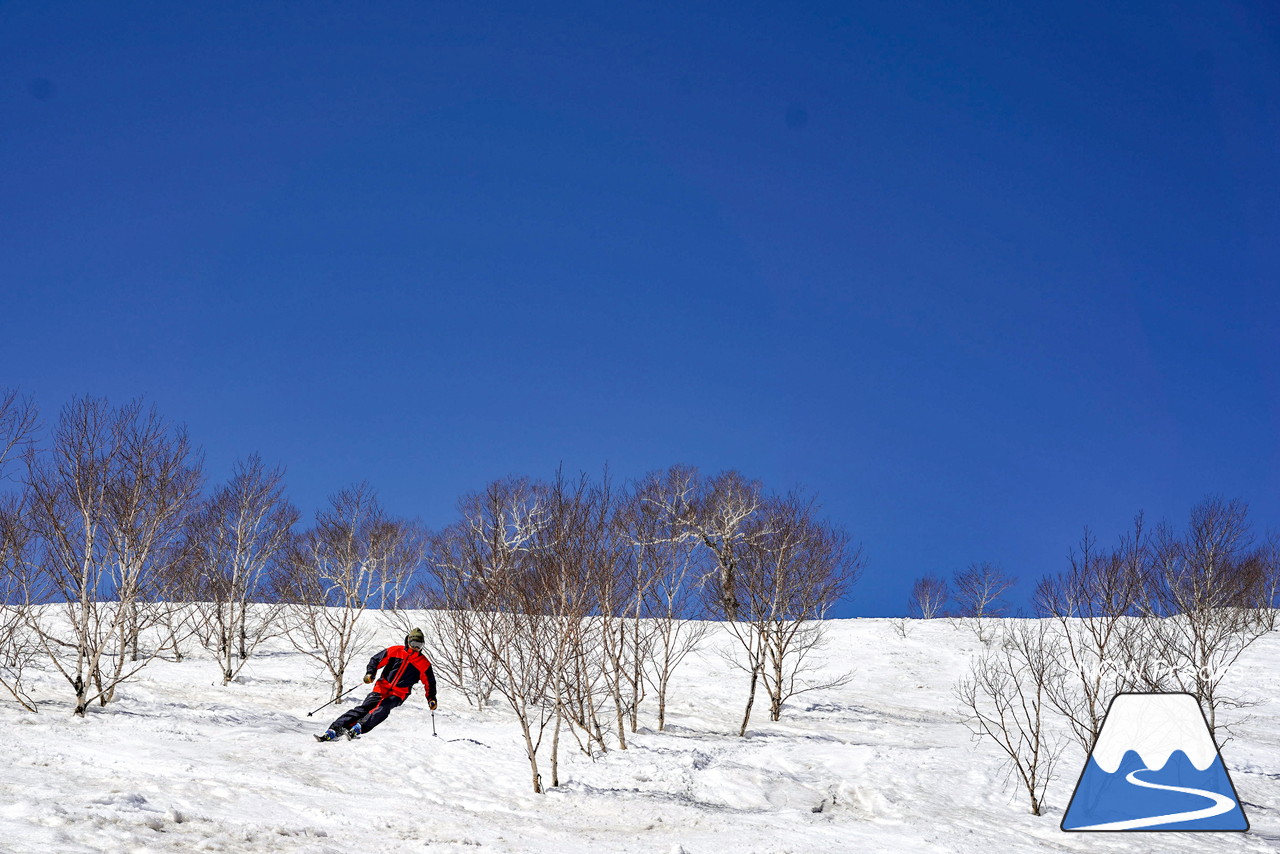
(884, 764)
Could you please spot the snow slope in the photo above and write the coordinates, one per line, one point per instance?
(181, 763)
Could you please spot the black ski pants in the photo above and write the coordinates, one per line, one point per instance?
(371, 712)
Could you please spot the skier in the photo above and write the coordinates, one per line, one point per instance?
(402, 668)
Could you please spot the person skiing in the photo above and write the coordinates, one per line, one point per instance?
(402, 668)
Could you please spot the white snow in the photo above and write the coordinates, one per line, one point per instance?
(182, 764)
(1154, 725)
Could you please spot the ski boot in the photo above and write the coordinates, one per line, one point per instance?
(353, 733)
(329, 735)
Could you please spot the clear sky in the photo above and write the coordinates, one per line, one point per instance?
(978, 274)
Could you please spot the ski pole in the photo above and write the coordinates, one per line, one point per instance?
(433, 724)
(331, 702)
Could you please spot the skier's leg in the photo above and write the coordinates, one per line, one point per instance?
(347, 719)
(378, 713)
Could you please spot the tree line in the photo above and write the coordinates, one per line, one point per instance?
(571, 600)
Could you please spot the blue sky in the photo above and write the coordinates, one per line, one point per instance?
(978, 274)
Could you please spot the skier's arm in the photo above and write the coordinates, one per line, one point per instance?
(379, 659)
(429, 685)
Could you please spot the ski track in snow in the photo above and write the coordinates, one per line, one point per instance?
(884, 764)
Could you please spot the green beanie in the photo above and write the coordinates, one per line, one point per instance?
(414, 635)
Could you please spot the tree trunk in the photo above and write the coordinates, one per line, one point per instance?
(532, 752)
(82, 699)
(662, 703)
(599, 732)
(555, 747)
(637, 675)
(751, 698)
(616, 686)
(775, 690)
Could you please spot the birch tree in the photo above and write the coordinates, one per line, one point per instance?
(150, 495)
(525, 650)
(19, 596)
(491, 540)
(978, 592)
(1005, 700)
(929, 595)
(18, 419)
(18, 646)
(239, 539)
(341, 567)
(668, 552)
(403, 546)
(724, 515)
(499, 594)
(1094, 607)
(1208, 600)
(618, 583)
(572, 557)
(793, 571)
(105, 498)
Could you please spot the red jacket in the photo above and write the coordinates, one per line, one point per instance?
(402, 669)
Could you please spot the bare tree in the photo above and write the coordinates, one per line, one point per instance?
(1094, 606)
(18, 418)
(178, 587)
(929, 595)
(492, 539)
(669, 553)
(794, 569)
(1208, 599)
(1262, 570)
(525, 650)
(106, 499)
(620, 584)
(17, 641)
(525, 589)
(977, 591)
(404, 545)
(19, 645)
(723, 515)
(344, 565)
(1005, 699)
(503, 622)
(571, 584)
(148, 501)
(811, 568)
(238, 540)
(455, 661)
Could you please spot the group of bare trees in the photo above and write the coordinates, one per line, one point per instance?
(112, 555)
(573, 600)
(972, 598)
(1164, 610)
(973, 595)
(107, 505)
